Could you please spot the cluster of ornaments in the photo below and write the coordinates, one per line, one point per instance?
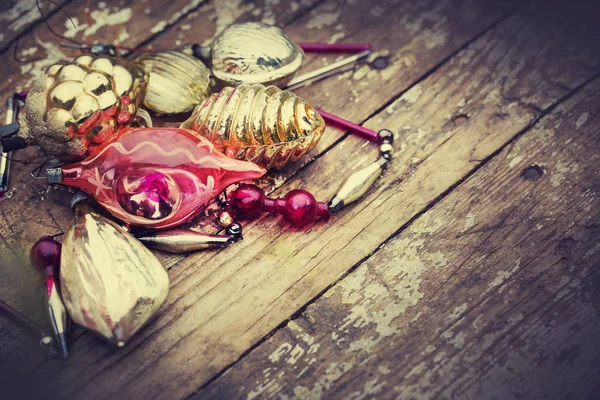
(154, 179)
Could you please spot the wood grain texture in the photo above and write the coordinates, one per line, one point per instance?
(92, 362)
(490, 294)
(32, 209)
(221, 303)
(18, 16)
(411, 38)
(224, 302)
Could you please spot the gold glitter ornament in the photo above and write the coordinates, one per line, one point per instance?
(258, 123)
(177, 81)
(77, 105)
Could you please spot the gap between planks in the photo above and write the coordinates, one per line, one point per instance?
(409, 222)
(429, 206)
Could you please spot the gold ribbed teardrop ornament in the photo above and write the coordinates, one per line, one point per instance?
(77, 105)
(257, 123)
(110, 282)
(177, 81)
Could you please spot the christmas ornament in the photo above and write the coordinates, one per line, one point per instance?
(160, 178)
(184, 241)
(45, 255)
(257, 123)
(154, 177)
(254, 52)
(326, 71)
(299, 207)
(357, 184)
(75, 106)
(177, 82)
(111, 284)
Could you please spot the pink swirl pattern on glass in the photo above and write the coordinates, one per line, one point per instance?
(157, 177)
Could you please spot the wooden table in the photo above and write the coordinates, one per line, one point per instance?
(470, 270)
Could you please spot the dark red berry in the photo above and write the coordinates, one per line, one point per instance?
(45, 255)
(300, 207)
(247, 201)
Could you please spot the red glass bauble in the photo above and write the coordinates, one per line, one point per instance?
(247, 201)
(45, 255)
(300, 207)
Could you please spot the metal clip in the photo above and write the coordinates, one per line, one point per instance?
(97, 49)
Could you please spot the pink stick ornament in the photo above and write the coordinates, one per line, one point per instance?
(340, 122)
(334, 47)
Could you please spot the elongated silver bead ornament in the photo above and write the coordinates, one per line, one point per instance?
(357, 184)
(59, 319)
(184, 241)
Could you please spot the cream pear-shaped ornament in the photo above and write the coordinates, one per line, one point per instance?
(110, 282)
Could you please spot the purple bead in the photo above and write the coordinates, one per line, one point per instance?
(247, 201)
(45, 255)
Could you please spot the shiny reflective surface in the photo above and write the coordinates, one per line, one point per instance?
(59, 320)
(356, 185)
(257, 123)
(75, 106)
(254, 52)
(155, 177)
(184, 241)
(177, 81)
(110, 282)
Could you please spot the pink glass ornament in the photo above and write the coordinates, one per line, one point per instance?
(155, 177)
(298, 207)
(344, 124)
(45, 256)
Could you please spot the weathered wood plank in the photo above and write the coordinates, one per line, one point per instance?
(17, 16)
(222, 303)
(412, 37)
(87, 364)
(31, 209)
(490, 294)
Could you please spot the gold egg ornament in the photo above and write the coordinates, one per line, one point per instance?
(253, 52)
(177, 82)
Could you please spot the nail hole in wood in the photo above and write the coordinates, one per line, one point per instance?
(380, 62)
(533, 173)
(566, 247)
(460, 119)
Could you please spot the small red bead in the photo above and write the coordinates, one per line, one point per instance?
(300, 207)
(45, 255)
(247, 201)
